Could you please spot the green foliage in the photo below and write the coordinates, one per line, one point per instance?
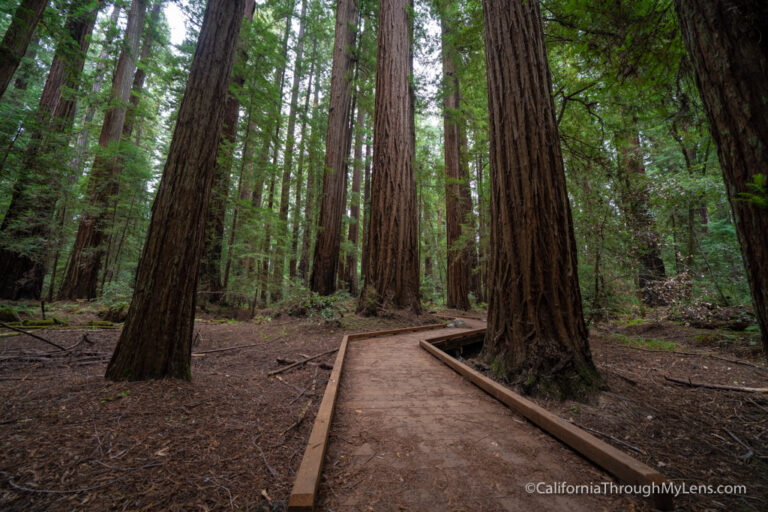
(301, 302)
(759, 191)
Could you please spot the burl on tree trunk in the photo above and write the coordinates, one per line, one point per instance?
(536, 333)
(156, 340)
(728, 44)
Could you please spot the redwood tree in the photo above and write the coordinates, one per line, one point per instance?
(156, 340)
(536, 333)
(17, 37)
(326, 258)
(82, 275)
(728, 45)
(29, 216)
(392, 266)
(457, 195)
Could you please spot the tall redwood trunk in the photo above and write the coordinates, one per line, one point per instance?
(366, 205)
(82, 275)
(354, 204)
(635, 195)
(458, 273)
(17, 37)
(728, 45)
(156, 340)
(300, 170)
(309, 205)
(278, 269)
(326, 258)
(213, 241)
(536, 333)
(36, 191)
(392, 266)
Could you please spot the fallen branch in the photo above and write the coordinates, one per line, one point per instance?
(298, 363)
(700, 354)
(749, 453)
(200, 352)
(300, 419)
(715, 386)
(272, 472)
(32, 335)
(324, 366)
(21, 488)
(609, 436)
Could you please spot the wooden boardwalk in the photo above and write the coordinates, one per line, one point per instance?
(410, 434)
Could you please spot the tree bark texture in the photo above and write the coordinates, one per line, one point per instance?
(30, 213)
(536, 333)
(728, 45)
(459, 272)
(82, 275)
(309, 205)
(392, 266)
(210, 278)
(156, 340)
(17, 37)
(354, 204)
(326, 258)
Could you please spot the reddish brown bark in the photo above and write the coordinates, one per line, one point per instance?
(210, 277)
(156, 340)
(457, 207)
(82, 275)
(536, 333)
(392, 265)
(728, 45)
(354, 205)
(326, 258)
(31, 210)
(17, 37)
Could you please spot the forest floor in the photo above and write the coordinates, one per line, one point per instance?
(233, 437)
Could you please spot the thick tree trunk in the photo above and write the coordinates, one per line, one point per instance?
(392, 266)
(634, 192)
(458, 274)
(326, 258)
(82, 276)
(210, 276)
(536, 333)
(156, 340)
(727, 44)
(32, 207)
(17, 37)
(278, 270)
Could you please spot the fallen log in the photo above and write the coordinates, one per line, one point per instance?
(32, 335)
(298, 363)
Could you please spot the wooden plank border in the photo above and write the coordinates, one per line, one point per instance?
(307, 481)
(614, 461)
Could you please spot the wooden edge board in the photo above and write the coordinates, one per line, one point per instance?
(437, 340)
(611, 459)
(307, 479)
(374, 334)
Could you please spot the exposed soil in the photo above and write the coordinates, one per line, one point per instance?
(232, 438)
(691, 434)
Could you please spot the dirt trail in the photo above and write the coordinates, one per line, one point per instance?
(410, 434)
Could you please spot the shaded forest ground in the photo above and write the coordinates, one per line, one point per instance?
(233, 437)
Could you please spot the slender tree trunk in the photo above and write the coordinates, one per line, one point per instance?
(326, 258)
(366, 206)
(156, 340)
(482, 234)
(300, 170)
(392, 266)
(536, 333)
(32, 206)
(278, 271)
(17, 37)
(635, 205)
(727, 44)
(213, 242)
(309, 224)
(354, 204)
(459, 272)
(86, 258)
